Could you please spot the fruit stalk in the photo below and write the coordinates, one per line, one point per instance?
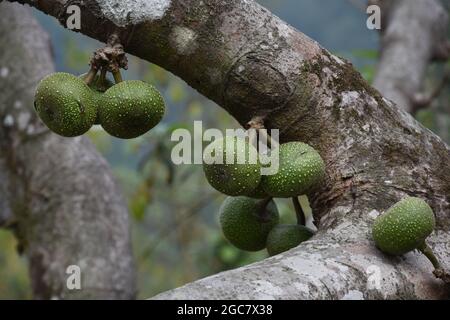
(263, 213)
(426, 250)
(438, 272)
(117, 76)
(301, 219)
(102, 79)
(90, 76)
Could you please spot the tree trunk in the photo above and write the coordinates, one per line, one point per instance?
(414, 34)
(253, 64)
(57, 194)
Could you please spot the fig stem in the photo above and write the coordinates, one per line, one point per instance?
(438, 272)
(102, 79)
(117, 76)
(90, 76)
(301, 219)
(426, 250)
(262, 212)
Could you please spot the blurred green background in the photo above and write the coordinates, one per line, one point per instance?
(175, 230)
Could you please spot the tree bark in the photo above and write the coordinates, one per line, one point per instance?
(414, 34)
(57, 194)
(253, 64)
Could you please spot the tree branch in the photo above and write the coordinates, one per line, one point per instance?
(253, 64)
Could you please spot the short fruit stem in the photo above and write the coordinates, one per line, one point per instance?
(102, 79)
(301, 219)
(90, 76)
(117, 76)
(438, 272)
(426, 250)
(262, 209)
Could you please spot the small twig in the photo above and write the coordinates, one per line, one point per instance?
(301, 219)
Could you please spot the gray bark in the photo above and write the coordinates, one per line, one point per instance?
(253, 64)
(414, 34)
(57, 194)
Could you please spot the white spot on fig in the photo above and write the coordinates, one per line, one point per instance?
(126, 12)
(183, 40)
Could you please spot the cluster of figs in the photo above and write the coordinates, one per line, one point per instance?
(70, 105)
(249, 217)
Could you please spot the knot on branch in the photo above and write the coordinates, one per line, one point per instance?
(256, 122)
(111, 58)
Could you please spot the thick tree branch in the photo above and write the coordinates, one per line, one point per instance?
(67, 210)
(414, 34)
(255, 65)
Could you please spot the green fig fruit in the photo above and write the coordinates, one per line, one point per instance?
(65, 104)
(223, 170)
(301, 169)
(285, 237)
(246, 222)
(130, 108)
(404, 226)
(98, 87)
(258, 193)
